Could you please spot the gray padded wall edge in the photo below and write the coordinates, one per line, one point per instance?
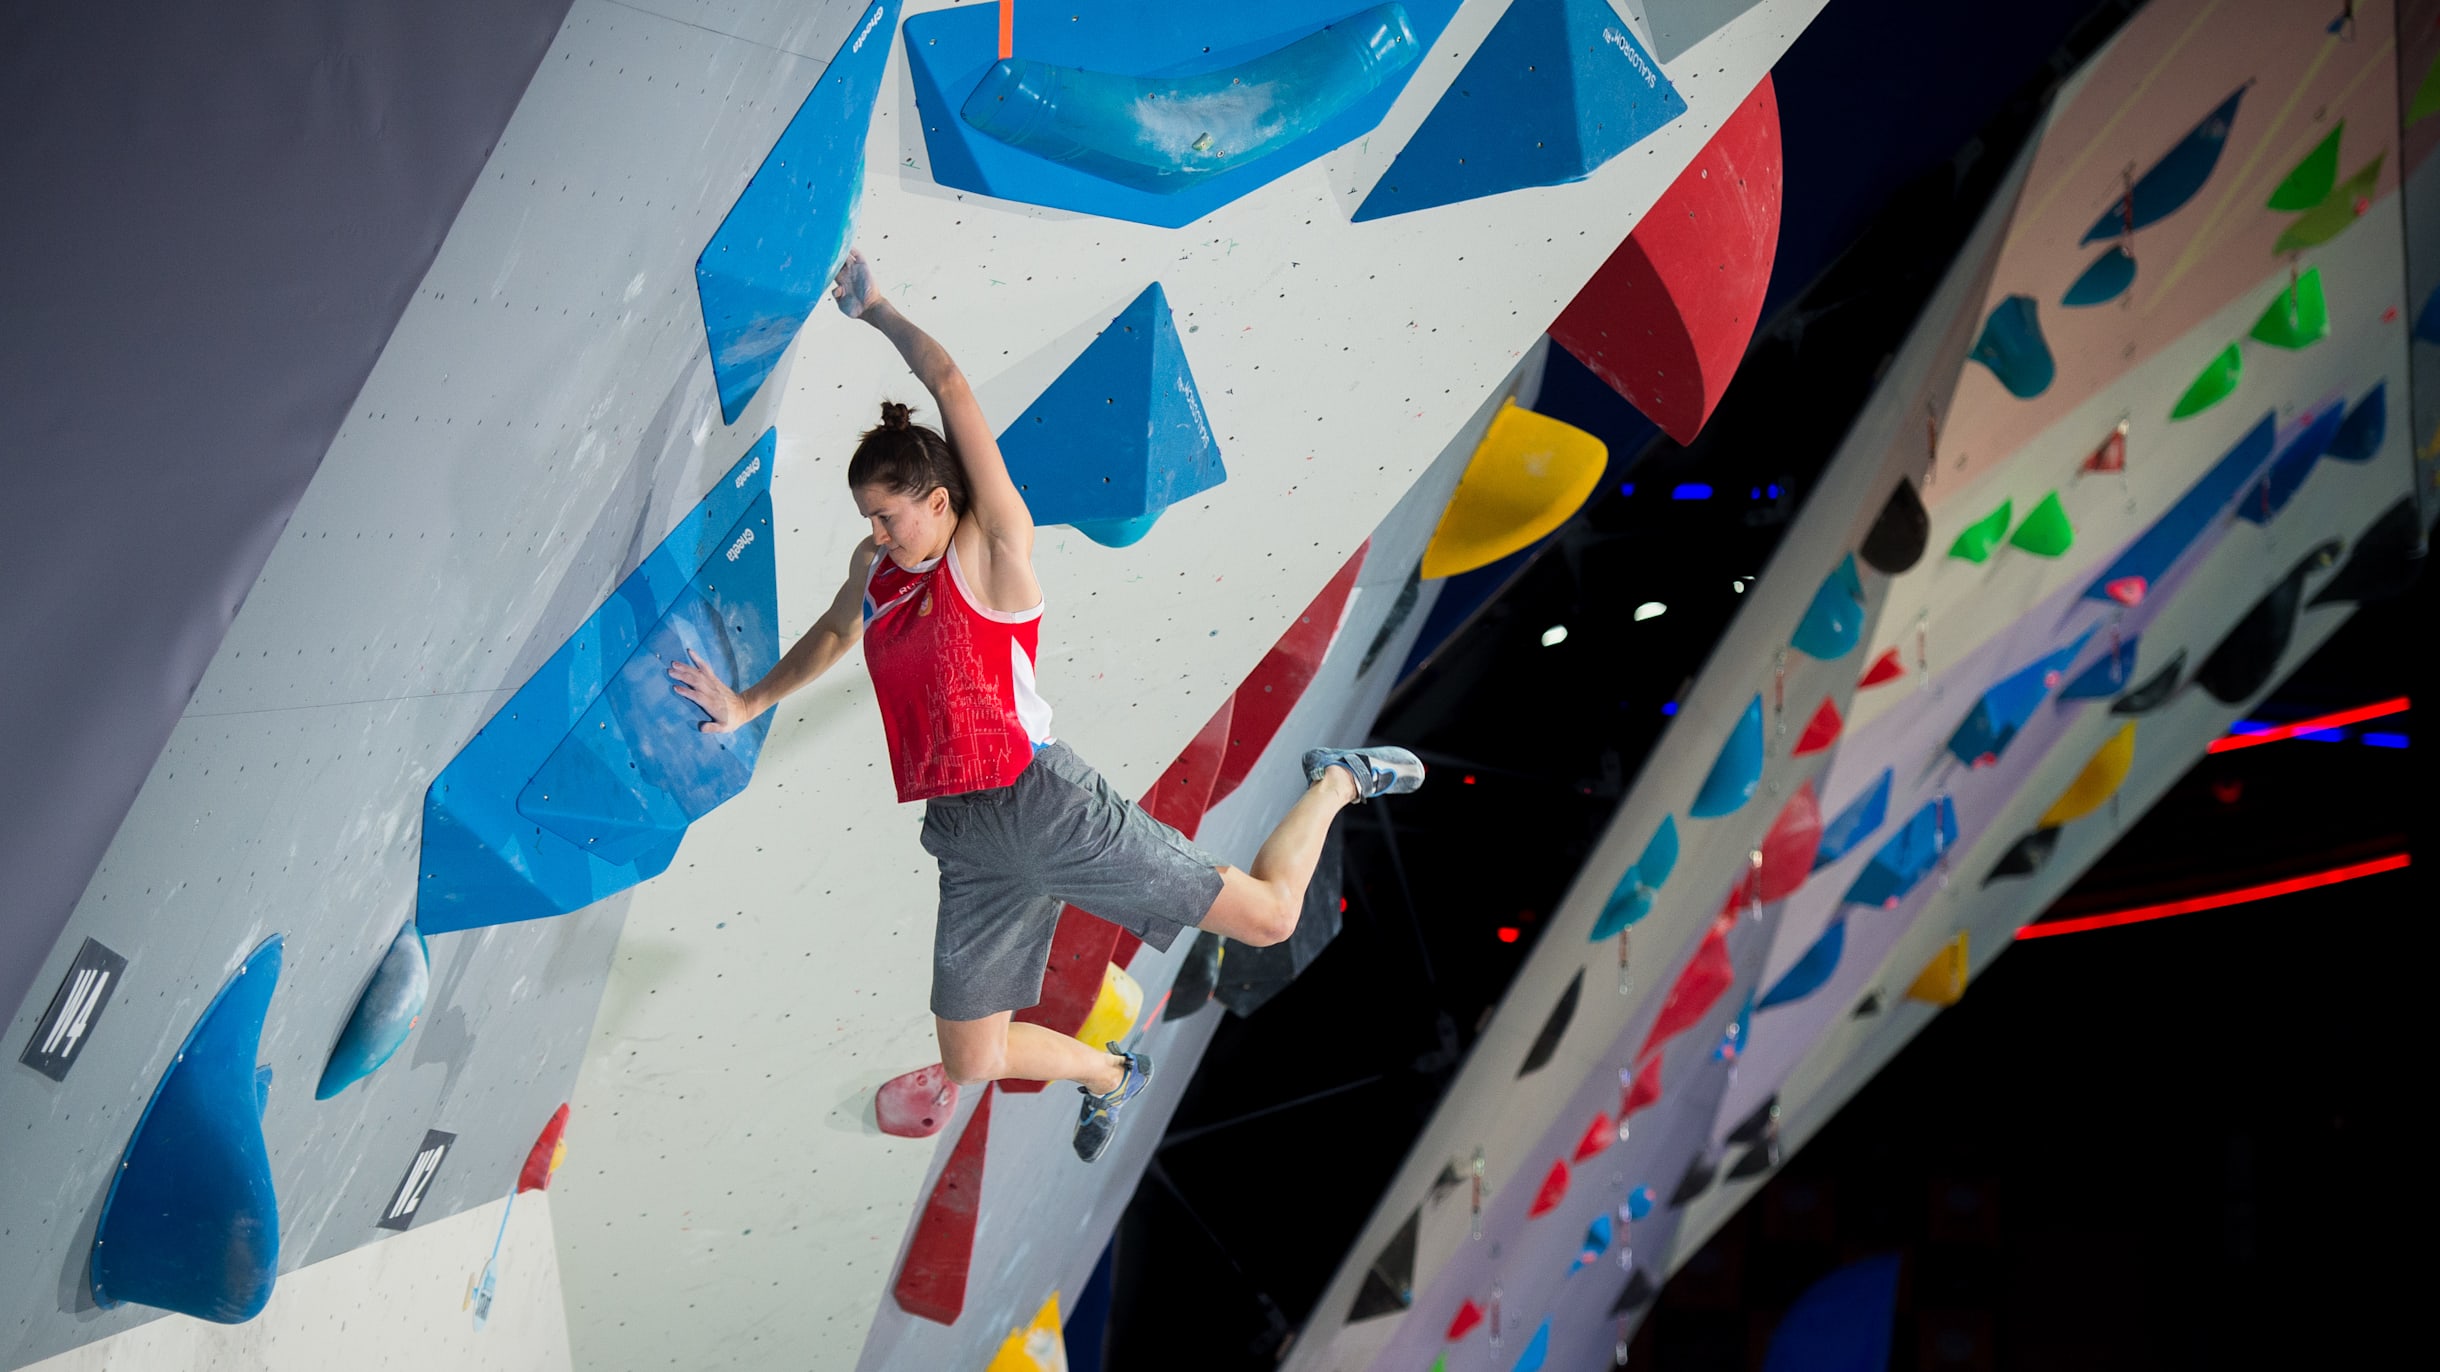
(216, 215)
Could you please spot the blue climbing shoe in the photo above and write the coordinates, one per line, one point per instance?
(1378, 771)
(1099, 1119)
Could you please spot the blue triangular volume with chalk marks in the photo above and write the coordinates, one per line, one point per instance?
(1558, 88)
(1120, 435)
(772, 258)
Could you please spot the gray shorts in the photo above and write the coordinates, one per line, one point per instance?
(1012, 855)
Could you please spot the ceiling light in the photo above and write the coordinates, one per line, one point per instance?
(1738, 586)
(1650, 609)
(1556, 634)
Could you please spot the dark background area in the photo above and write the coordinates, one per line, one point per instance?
(2124, 1112)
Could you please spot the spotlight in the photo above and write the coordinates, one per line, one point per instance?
(1555, 635)
(1650, 609)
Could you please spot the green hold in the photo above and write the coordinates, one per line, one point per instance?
(2045, 532)
(2334, 214)
(2309, 182)
(2297, 317)
(2427, 95)
(2219, 377)
(1975, 543)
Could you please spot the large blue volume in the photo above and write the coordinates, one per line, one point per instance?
(1811, 972)
(772, 258)
(2285, 476)
(1557, 89)
(1736, 771)
(1857, 822)
(1158, 114)
(2151, 555)
(1165, 133)
(191, 1223)
(584, 782)
(2165, 188)
(1987, 730)
(1120, 435)
(384, 1015)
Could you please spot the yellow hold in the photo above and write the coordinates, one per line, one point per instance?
(1942, 980)
(1037, 1347)
(2098, 781)
(1114, 1009)
(1527, 476)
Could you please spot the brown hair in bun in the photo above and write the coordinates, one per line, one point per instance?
(903, 456)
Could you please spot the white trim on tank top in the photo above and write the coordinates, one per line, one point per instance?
(958, 574)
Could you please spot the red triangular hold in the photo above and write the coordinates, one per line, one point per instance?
(1886, 667)
(917, 1104)
(932, 1283)
(1184, 792)
(1082, 949)
(1821, 731)
(1697, 989)
(1554, 1186)
(1643, 1088)
(1789, 848)
(1277, 682)
(1468, 1316)
(542, 1159)
(2111, 456)
(2127, 590)
(1598, 1135)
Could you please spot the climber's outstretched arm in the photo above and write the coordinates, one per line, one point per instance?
(998, 508)
(823, 644)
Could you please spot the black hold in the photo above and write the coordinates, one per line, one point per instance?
(1389, 1284)
(1193, 988)
(2026, 855)
(1250, 976)
(1764, 1120)
(1869, 1006)
(1698, 1178)
(2155, 690)
(1760, 1158)
(1553, 1029)
(2245, 660)
(1899, 533)
(1399, 609)
(1639, 1293)
(1447, 1181)
(2387, 560)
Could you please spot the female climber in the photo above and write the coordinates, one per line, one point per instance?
(943, 596)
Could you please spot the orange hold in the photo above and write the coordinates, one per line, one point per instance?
(1667, 318)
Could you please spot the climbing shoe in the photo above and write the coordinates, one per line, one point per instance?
(1378, 771)
(1099, 1118)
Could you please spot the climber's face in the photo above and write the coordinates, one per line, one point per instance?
(911, 529)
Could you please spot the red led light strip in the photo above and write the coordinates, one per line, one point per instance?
(2241, 896)
(2376, 710)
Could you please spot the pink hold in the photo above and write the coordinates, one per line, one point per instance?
(2127, 590)
(916, 1105)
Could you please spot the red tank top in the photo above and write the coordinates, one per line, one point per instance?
(954, 678)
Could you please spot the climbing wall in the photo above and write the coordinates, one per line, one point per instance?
(428, 840)
(2131, 467)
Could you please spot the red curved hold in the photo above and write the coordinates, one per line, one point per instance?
(932, 1283)
(1643, 1088)
(1667, 319)
(1788, 850)
(915, 1105)
(1597, 1136)
(1886, 667)
(1554, 1187)
(542, 1159)
(1277, 682)
(1468, 1316)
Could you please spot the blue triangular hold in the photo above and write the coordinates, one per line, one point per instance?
(771, 260)
(2288, 470)
(1120, 435)
(1632, 898)
(1557, 88)
(1835, 619)
(1908, 857)
(2151, 555)
(1537, 1351)
(191, 1222)
(1812, 971)
(2012, 347)
(1736, 771)
(1856, 823)
(383, 1015)
(2173, 180)
(1991, 725)
(2104, 281)
(2107, 677)
(2367, 423)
